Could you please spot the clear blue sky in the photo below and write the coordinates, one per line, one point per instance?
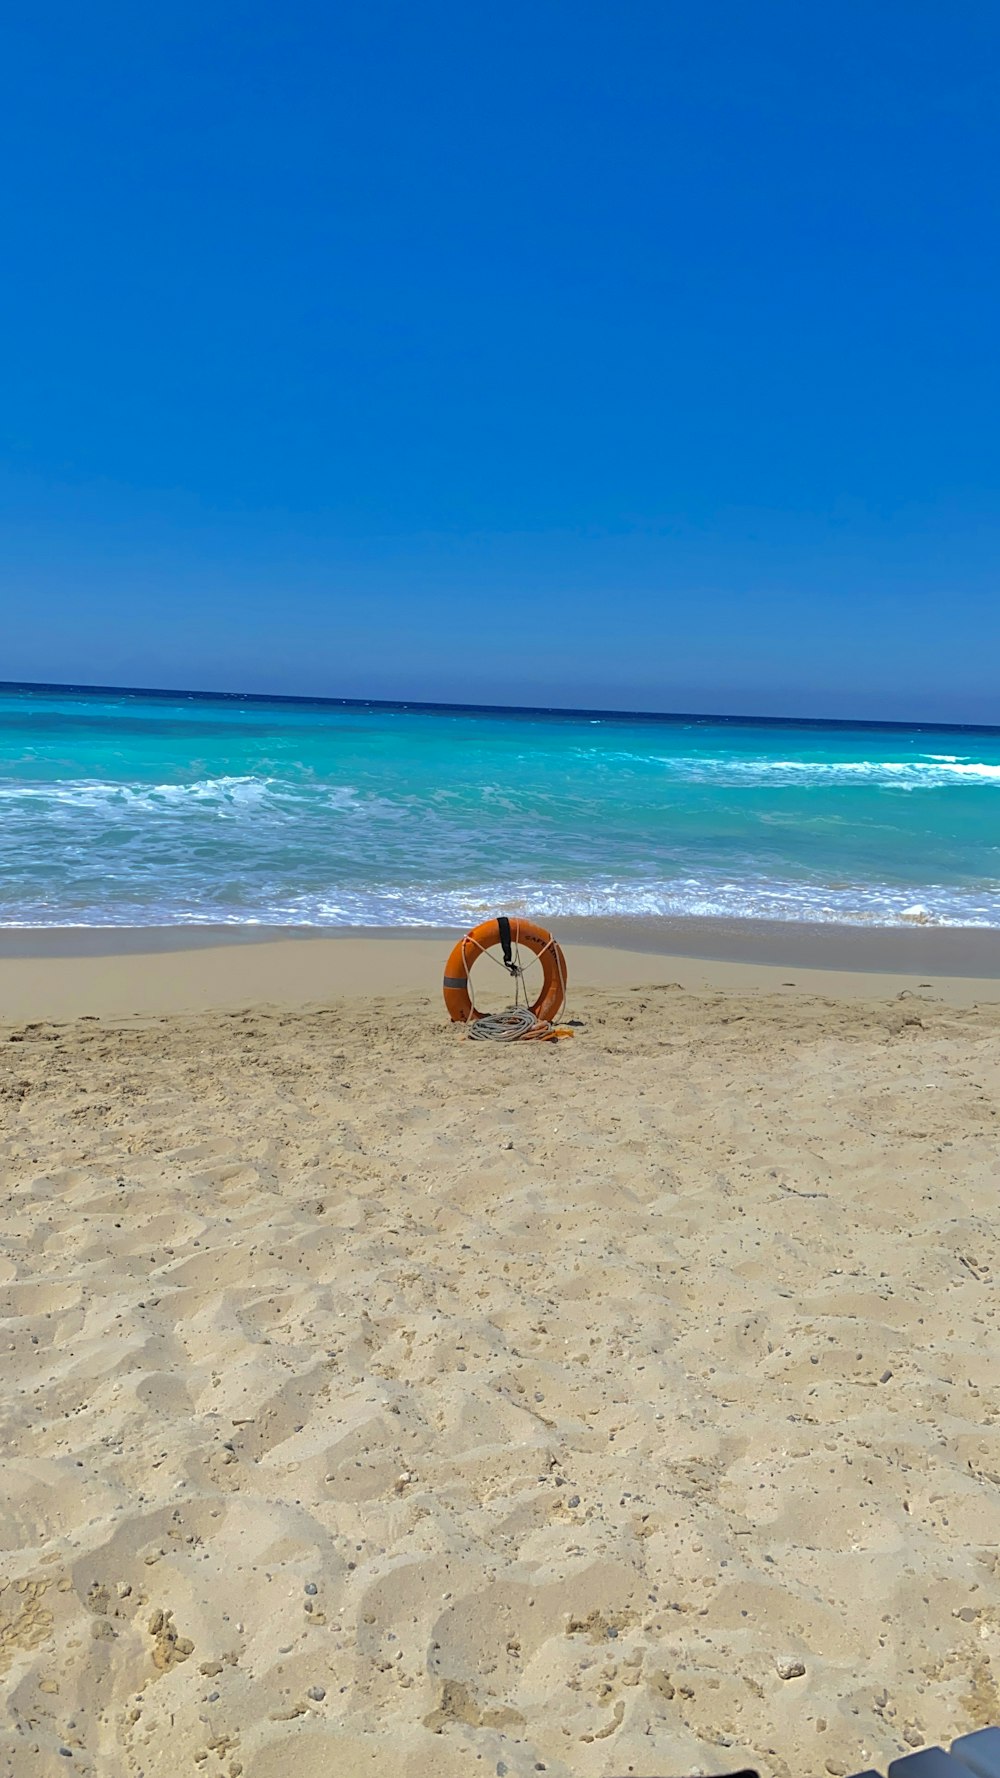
(636, 354)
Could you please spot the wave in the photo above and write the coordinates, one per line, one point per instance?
(233, 794)
(932, 773)
(419, 904)
(705, 897)
(402, 846)
(222, 794)
(99, 793)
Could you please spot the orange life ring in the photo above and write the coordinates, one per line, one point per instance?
(482, 938)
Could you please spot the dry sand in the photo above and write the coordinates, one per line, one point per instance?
(380, 1403)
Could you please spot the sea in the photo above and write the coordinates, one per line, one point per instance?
(139, 808)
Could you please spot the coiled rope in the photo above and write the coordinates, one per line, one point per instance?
(505, 1027)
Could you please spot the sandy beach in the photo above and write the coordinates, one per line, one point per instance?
(378, 1402)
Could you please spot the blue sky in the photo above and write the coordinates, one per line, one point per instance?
(638, 355)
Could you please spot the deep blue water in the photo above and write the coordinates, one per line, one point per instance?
(139, 808)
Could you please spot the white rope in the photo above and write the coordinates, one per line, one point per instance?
(504, 1027)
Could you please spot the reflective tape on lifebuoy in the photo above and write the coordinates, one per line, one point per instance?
(482, 938)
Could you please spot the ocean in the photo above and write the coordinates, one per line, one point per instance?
(135, 808)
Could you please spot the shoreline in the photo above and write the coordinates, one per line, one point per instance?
(972, 951)
(122, 972)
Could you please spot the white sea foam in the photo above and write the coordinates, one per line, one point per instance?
(224, 794)
(231, 794)
(419, 905)
(930, 773)
(99, 794)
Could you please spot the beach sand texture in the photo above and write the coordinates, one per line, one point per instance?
(377, 1402)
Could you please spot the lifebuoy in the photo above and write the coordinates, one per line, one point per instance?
(482, 938)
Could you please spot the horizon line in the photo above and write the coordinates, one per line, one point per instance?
(433, 706)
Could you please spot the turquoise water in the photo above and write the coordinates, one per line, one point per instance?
(136, 809)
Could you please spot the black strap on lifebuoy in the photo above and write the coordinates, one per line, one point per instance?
(503, 928)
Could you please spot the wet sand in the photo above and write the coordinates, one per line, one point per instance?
(115, 971)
